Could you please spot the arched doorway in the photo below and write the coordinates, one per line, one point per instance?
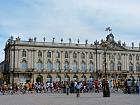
(58, 77)
(66, 77)
(1, 81)
(39, 78)
(83, 77)
(75, 77)
(91, 77)
(49, 78)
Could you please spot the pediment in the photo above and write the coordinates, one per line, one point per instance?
(114, 46)
(111, 44)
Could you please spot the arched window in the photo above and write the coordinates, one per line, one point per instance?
(57, 54)
(39, 53)
(74, 55)
(130, 57)
(58, 77)
(130, 67)
(83, 66)
(112, 57)
(112, 66)
(90, 55)
(91, 67)
(138, 67)
(58, 66)
(24, 65)
(49, 65)
(119, 66)
(49, 54)
(49, 78)
(75, 67)
(66, 54)
(66, 77)
(23, 53)
(75, 77)
(83, 77)
(82, 55)
(66, 65)
(39, 65)
(137, 58)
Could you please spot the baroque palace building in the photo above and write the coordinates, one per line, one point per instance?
(51, 61)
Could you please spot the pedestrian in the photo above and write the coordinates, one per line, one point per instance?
(96, 83)
(129, 86)
(138, 84)
(78, 86)
(67, 88)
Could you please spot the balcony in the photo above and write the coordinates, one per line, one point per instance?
(19, 70)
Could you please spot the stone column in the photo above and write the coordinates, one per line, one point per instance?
(79, 61)
(94, 57)
(18, 59)
(123, 61)
(116, 62)
(44, 58)
(134, 62)
(70, 60)
(35, 59)
(62, 61)
(100, 62)
(29, 58)
(86, 57)
(53, 60)
(127, 62)
(107, 61)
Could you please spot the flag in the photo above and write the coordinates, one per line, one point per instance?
(108, 29)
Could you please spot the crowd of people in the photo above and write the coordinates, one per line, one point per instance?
(67, 87)
(132, 86)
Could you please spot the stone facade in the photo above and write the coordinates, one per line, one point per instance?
(1, 72)
(26, 60)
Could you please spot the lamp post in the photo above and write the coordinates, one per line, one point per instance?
(106, 91)
(13, 64)
(96, 59)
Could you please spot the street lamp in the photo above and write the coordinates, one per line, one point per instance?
(106, 91)
(96, 58)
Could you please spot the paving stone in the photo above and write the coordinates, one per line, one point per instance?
(63, 99)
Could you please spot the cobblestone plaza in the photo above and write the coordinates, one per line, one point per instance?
(63, 99)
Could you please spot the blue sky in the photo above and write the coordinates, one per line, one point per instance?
(83, 19)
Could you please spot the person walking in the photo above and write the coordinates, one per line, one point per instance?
(138, 84)
(78, 86)
(67, 88)
(129, 86)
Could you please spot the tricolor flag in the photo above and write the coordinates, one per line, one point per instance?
(108, 29)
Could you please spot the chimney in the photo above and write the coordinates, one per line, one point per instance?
(132, 45)
(86, 42)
